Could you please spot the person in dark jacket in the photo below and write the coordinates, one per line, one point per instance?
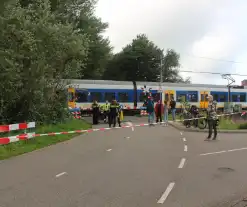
(150, 111)
(113, 113)
(119, 109)
(212, 118)
(159, 110)
(95, 110)
(173, 109)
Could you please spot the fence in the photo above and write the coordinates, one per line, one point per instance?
(7, 131)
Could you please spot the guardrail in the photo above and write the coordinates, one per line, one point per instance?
(7, 130)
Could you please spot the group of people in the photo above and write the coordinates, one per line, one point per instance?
(160, 110)
(111, 112)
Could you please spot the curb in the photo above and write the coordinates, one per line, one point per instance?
(182, 128)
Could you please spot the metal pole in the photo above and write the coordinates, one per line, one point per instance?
(161, 76)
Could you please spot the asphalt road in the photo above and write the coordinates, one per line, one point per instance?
(144, 167)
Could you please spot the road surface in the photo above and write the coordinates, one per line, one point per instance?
(144, 167)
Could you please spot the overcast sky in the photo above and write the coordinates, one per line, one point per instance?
(194, 28)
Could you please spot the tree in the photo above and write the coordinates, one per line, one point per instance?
(36, 52)
(80, 13)
(141, 61)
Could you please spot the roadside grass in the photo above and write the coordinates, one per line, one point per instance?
(226, 123)
(21, 147)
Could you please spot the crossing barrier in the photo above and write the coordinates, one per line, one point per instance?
(76, 114)
(7, 140)
(143, 113)
(25, 127)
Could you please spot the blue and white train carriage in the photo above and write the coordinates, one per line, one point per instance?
(131, 96)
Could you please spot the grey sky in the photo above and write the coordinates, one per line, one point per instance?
(204, 28)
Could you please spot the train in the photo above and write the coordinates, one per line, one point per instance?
(132, 94)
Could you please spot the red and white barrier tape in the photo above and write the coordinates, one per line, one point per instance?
(7, 140)
(13, 127)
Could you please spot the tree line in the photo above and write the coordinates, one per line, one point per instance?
(45, 41)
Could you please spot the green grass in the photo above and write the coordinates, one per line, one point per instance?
(228, 124)
(21, 147)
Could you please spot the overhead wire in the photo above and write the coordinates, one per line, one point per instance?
(212, 73)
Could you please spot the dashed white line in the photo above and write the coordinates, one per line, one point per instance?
(184, 139)
(109, 150)
(132, 129)
(60, 174)
(181, 133)
(185, 148)
(127, 137)
(182, 162)
(219, 152)
(233, 150)
(166, 193)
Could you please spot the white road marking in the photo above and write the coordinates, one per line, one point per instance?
(181, 133)
(233, 150)
(60, 174)
(185, 148)
(219, 152)
(184, 139)
(166, 193)
(133, 129)
(127, 137)
(182, 162)
(109, 150)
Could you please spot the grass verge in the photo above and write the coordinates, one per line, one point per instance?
(228, 124)
(21, 147)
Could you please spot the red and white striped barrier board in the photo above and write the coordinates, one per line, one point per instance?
(76, 114)
(7, 140)
(13, 127)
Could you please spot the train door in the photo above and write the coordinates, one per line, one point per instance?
(71, 97)
(204, 99)
(169, 94)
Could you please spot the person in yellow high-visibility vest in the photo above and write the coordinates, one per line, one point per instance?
(120, 114)
(106, 109)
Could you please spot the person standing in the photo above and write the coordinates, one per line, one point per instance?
(150, 111)
(113, 113)
(95, 109)
(159, 110)
(173, 108)
(166, 113)
(119, 111)
(212, 118)
(106, 108)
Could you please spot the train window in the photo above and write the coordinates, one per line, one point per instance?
(216, 97)
(243, 98)
(71, 96)
(110, 96)
(192, 98)
(166, 97)
(156, 97)
(234, 98)
(81, 97)
(143, 97)
(222, 98)
(202, 97)
(96, 96)
(181, 98)
(123, 97)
